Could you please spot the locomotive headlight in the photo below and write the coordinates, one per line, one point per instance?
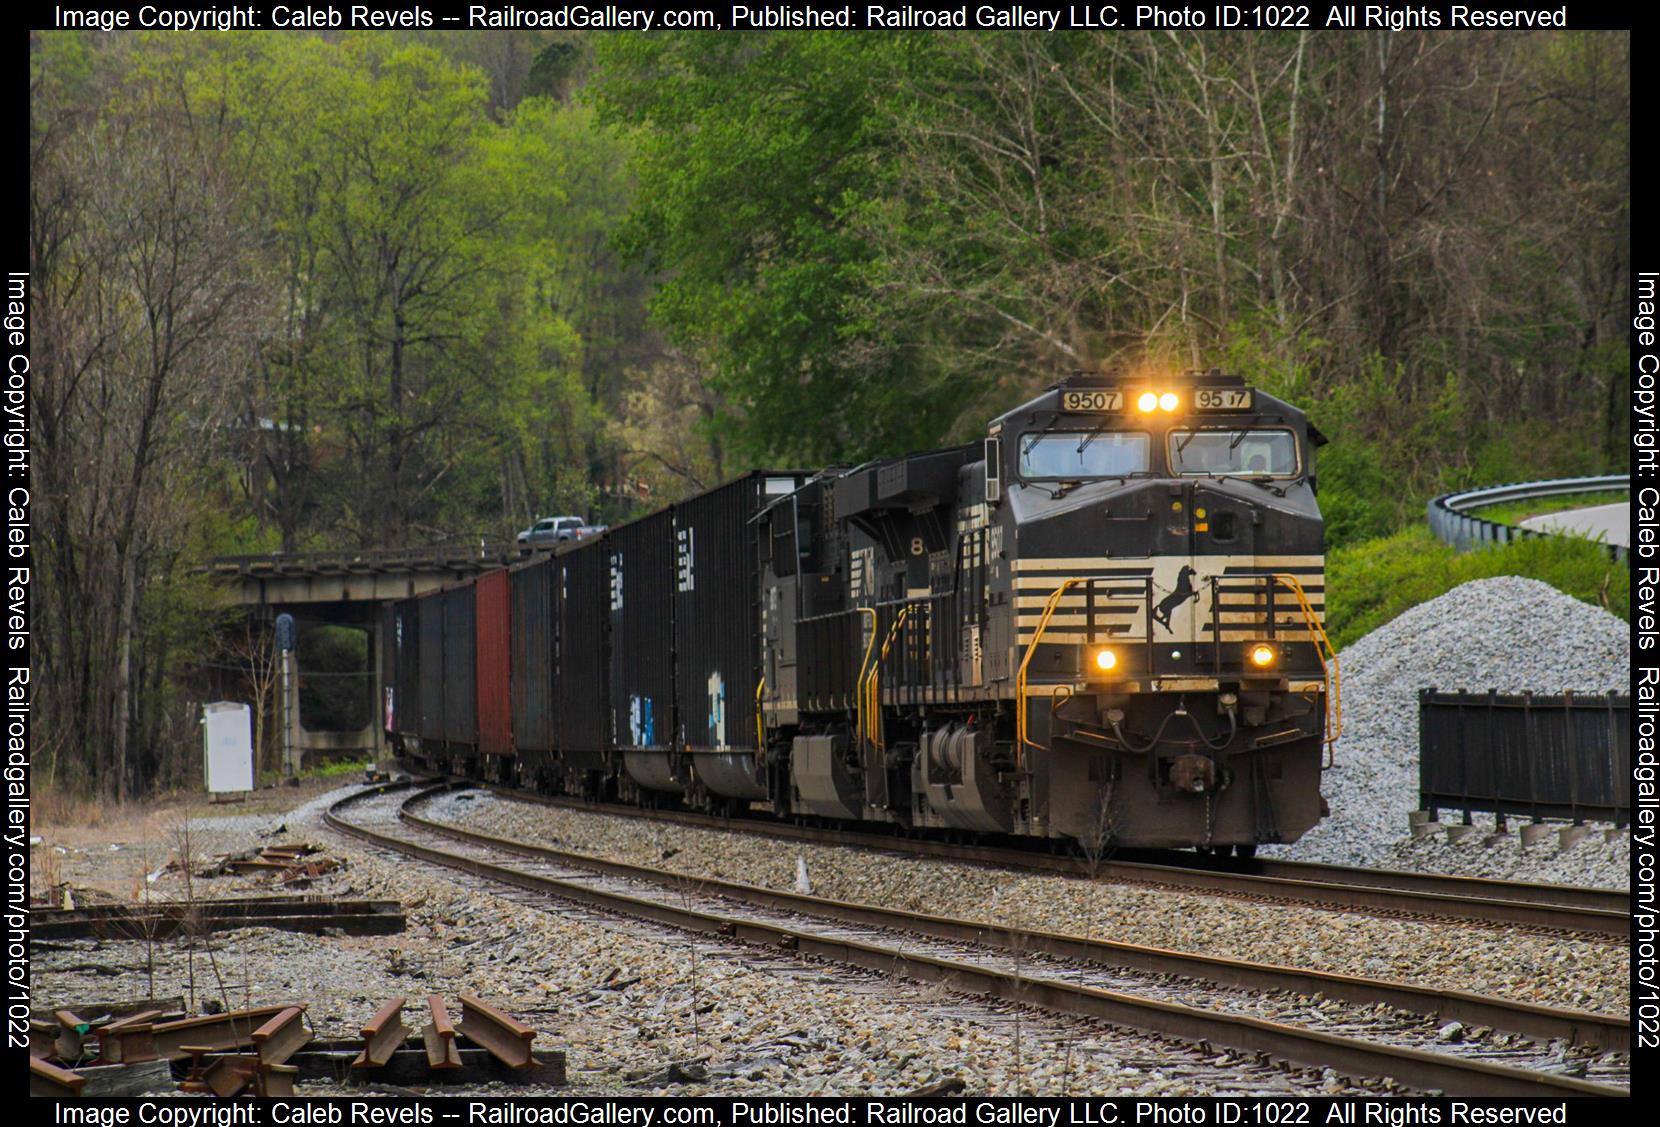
(1168, 401)
(1262, 655)
(1105, 660)
(1148, 402)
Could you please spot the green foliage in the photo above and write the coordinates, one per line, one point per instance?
(335, 689)
(762, 155)
(1370, 582)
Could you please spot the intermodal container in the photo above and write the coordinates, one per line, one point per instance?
(640, 559)
(429, 619)
(717, 610)
(581, 599)
(460, 712)
(532, 590)
(492, 662)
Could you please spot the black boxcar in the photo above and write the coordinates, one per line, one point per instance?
(717, 613)
(640, 558)
(532, 592)
(460, 708)
(581, 599)
(401, 648)
(429, 621)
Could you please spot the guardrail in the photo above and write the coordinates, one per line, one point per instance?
(1451, 523)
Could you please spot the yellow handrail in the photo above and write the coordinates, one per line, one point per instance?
(1324, 650)
(859, 684)
(760, 729)
(870, 688)
(1020, 677)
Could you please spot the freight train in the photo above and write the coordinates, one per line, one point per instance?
(1101, 623)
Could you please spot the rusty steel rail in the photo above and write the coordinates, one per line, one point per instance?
(1600, 1031)
(47, 1079)
(382, 1035)
(281, 1037)
(439, 1036)
(1411, 1067)
(1545, 907)
(137, 1039)
(506, 1038)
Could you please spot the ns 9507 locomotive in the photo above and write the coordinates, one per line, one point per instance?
(1102, 623)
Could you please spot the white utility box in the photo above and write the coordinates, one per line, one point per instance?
(227, 747)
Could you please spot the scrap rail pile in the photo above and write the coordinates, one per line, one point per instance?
(264, 1050)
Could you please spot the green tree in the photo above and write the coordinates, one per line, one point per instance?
(757, 157)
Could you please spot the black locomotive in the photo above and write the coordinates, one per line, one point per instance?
(1103, 623)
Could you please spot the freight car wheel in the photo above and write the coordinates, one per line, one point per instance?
(1244, 852)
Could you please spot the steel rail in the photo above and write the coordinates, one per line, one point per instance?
(1539, 1022)
(1549, 907)
(1410, 1067)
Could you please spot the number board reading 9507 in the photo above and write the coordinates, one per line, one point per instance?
(1092, 401)
(1222, 399)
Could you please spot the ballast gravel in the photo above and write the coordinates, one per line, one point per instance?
(643, 1010)
(1550, 970)
(1510, 634)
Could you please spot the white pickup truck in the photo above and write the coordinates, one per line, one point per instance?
(557, 530)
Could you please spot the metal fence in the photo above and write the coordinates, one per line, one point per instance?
(1564, 756)
(1451, 523)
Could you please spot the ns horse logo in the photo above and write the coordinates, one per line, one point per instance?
(1179, 594)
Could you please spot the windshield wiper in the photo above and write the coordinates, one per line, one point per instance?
(1033, 441)
(1237, 439)
(1091, 437)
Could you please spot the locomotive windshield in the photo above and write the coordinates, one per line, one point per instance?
(1074, 455)
(1236, 453)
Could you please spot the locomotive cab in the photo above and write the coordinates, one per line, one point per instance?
(1163, 593)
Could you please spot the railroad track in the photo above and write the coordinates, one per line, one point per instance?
(1215, 1002)
(1549, 908)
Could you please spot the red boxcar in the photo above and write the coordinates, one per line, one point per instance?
(494, 664)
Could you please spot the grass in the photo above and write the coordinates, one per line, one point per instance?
(1371, 582)
(342, 767)
(1515, 512)
(57, 805)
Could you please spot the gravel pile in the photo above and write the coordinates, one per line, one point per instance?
(1509, 634)
(1548, 970)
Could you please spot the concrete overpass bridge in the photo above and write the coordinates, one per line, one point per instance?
(348, 589)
